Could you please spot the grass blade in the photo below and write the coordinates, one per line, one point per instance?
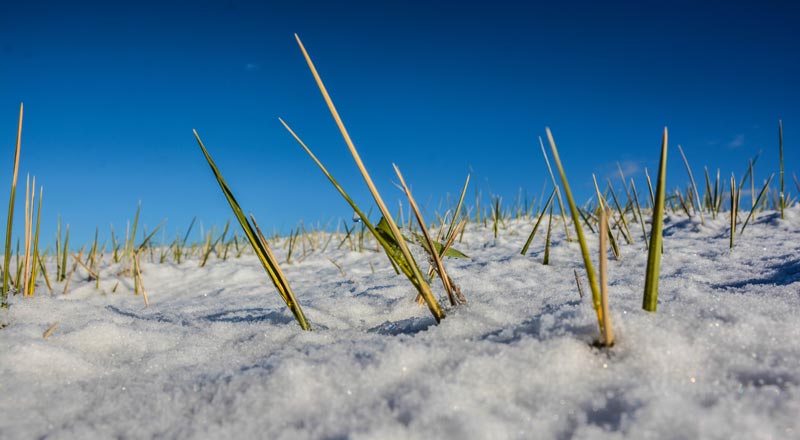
(756, 203)
(546, 257)
(262, 251)
(558, 191)
(10, 220)
(607, 331)
(576, 220)
(536, 226)
(650, 302)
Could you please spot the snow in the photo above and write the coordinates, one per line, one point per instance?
(218, 355)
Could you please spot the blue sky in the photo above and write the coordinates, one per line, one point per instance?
(112, 92)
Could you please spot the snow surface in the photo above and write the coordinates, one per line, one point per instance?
(218, 355)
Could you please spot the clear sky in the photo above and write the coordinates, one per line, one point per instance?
(112, 91)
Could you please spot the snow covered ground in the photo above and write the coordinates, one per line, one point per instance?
(218, 355)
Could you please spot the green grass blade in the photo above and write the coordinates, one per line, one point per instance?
(576, 220)
(10, 220)
(650, 302)
(558, 191)
(387, 242)
(457, 212)
(259, 246)
(757, 203)
(546, 258)
(536, 226)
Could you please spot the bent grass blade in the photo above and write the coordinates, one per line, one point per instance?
(576, 220)
(261, 249)
(536, 225)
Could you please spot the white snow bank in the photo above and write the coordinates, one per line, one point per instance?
(217, 355)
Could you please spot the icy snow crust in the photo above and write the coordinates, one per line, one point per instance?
(218, 355)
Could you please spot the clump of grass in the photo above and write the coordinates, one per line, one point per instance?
(400, 252)
(650, 302)
(260, 246)
(453, 291)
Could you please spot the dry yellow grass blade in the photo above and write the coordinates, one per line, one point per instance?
(417, 278)
(50, 330)
(437, 260)
(92, 274)
(608, 332)
(140, 283)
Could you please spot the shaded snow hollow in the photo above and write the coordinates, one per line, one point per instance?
(217, 355)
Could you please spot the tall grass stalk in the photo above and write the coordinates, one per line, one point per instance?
(415, 274)
(10, 219)
(561, 209)
(650, 302)
(259, 246)
(576, 220)
(607, 330)
(431, 247)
